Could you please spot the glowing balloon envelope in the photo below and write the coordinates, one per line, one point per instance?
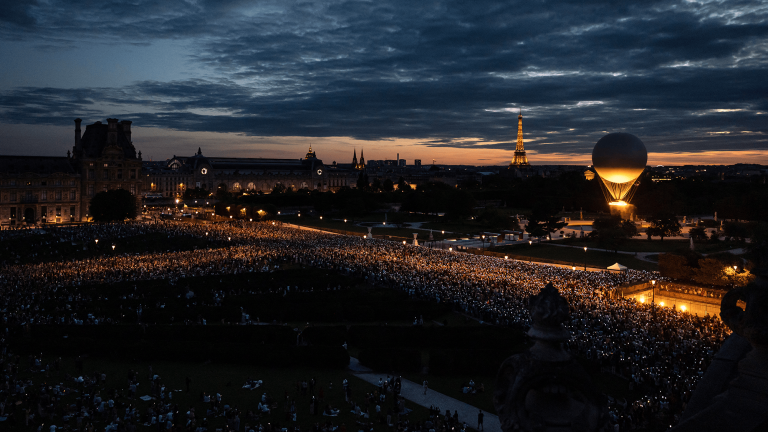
(619, 159)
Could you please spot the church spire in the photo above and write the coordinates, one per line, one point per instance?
(362, 160)
(354, 158)
(520, 158)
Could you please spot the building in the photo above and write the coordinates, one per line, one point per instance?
(38, 189)
(106, 159)
(46, 190)
(178, 174)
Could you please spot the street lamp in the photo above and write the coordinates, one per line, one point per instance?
(483, 236)
(113, 247)
(97, 242)
(403, 241)
(585, 258)
(530, 242)
(345, 227)
(653, 291)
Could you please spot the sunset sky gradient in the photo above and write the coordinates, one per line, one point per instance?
(439, 80)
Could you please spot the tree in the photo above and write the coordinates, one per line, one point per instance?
(460, 205)
(376, 186)
(402, 186)
(663, 225)
(675, 267)
(736, 230)
(499, 220)
(698, 233)
(113, 205)
(278, 189)
(544, 226)
(362, 181)
(711, 271)
(610, 231)
(544, 220)
(388, 186)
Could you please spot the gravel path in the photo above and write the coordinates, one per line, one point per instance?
(415, 393)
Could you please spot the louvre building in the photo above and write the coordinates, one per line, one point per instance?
(42, 190)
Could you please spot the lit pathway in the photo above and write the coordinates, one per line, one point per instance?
(415, 393)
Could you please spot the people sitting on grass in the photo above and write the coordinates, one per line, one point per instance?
(330, 411)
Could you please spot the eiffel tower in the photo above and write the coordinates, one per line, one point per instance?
(520, 158)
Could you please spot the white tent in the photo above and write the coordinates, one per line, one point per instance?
(618, 267)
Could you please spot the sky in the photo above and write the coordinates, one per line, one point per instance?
(430, 80)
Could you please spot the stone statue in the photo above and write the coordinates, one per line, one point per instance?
(733, 394)
(544, 388)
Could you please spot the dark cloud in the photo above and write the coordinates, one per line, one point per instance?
(449, 73)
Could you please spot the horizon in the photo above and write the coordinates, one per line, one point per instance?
(438, 81)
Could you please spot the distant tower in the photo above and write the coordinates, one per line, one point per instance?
(354, 159)
(310, 154)
(361, 165)
(520, 158)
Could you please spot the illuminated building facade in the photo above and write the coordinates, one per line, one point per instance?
(48, 190)
(176, 175)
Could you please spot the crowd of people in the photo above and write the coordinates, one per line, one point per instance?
(661, 351)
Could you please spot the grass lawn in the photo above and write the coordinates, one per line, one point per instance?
(350, 228)
(656, 245)
(224, 379)
(574, 256)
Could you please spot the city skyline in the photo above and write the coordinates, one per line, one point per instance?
(437, 81)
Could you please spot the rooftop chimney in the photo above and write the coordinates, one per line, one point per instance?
(112, 131)
(127, 129)
(78, 142)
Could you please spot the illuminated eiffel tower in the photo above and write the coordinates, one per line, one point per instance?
(520, 158)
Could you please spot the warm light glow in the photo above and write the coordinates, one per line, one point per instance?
(530, 242)
(97, 241)
(618, 203)
(653, 282)
(403, 241)
(585, 248)
(661, 303)
(321, 218)
(113, 247)
(642, 299)
(450, 249)
(574, 268)
(506, 257)
(345, 221)
(682, 308)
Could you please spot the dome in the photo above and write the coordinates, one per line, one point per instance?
(619, 157)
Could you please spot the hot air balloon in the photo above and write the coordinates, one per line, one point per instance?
(619, 159)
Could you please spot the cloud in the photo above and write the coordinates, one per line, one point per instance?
(449, 74)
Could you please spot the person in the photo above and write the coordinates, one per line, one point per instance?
(426, 386)
(480, 416)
